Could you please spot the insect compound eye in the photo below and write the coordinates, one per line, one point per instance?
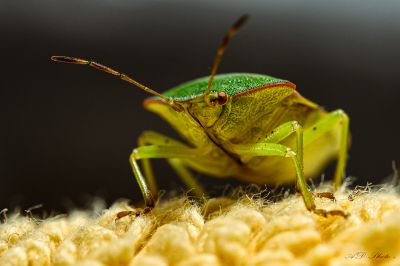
(222, 97)
(217, 98)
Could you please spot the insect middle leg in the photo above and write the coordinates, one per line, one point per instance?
(160, 147)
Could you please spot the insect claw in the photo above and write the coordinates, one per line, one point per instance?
(324, 213)
(135, 213)
(123, 214)
(328, 195)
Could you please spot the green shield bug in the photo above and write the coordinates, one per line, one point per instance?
(254, 127)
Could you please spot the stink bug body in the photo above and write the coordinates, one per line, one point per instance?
(254, 127)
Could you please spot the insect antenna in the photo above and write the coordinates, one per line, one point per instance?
(221, 48)
(106, 69)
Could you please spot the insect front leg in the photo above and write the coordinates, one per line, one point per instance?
(338, 117)
(155, 138)
(161, 147)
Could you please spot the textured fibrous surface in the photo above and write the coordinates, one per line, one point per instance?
(219, 231)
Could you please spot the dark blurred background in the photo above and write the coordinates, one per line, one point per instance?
(67, 130)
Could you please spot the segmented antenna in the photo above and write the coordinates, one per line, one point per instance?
(220, 52)
(106, 69)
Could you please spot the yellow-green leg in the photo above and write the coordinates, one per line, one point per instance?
(162, 147)
(187, 177)
(144, 188)
(314, 132)
(270, 147)
(323, 126)
(154, 138)
(274, 149)
(282, 132)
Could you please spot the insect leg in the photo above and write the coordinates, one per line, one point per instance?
(284, 131)
(154, 138)
(147, 195)
(187, 176)
(338, 117)
(274, 149)
(158, 151)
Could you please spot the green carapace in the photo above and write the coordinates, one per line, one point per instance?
(253, 127)
(233, 84)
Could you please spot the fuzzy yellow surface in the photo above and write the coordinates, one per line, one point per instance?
(218, 231)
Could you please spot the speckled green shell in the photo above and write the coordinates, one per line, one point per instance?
(233, 84)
